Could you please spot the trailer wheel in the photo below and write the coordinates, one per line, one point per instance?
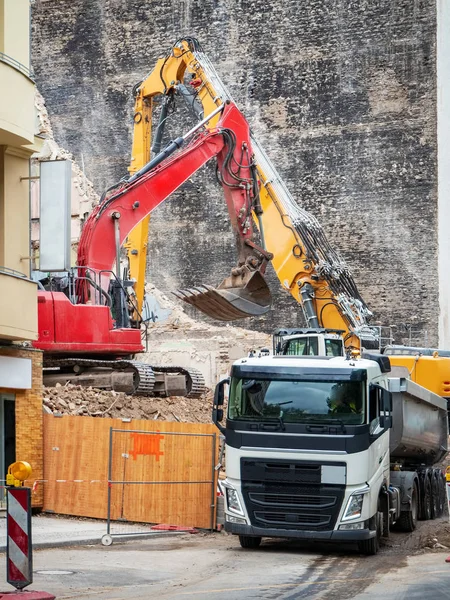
(408, 519)
(435, 496)
(442, 493)
(248, 541)
(425, 513)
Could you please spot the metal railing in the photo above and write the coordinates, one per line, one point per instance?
(146, 444)
(91, 291)
(18, 66)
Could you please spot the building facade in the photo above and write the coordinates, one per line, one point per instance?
(20, 365)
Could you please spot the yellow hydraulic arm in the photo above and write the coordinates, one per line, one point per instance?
(168, 74)
(300, 267)
(304, 262)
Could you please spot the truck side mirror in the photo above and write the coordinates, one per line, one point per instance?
(386, 409)
(219, 398)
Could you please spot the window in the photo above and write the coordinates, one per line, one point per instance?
(333, 347)
(296, 401)
(307, 346)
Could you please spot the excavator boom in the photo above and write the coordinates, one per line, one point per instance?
(304, 261)
(244, 292)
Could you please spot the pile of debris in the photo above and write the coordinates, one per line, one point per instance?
(91, 402)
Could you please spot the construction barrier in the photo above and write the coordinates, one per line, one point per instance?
(19, 564)
(143, 472)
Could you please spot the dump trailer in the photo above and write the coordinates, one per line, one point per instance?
(329, 448)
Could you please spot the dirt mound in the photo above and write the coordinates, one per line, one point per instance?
(75, 400)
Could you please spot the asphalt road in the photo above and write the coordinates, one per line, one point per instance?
(214, 566)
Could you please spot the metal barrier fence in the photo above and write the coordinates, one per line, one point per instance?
(159, 477)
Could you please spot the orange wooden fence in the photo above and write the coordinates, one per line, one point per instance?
(76, 459)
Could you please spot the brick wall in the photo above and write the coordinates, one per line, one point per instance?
(342, 94)
(29, 422)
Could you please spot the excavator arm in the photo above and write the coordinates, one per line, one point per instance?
(245, 290)
(304, 261)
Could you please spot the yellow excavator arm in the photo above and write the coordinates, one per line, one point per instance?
(304, 261)
(168, 74)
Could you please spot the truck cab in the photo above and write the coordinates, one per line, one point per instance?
(307, 447)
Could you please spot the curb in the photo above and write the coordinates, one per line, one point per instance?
(97, 541)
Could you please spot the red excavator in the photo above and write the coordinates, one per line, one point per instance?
(88, 328)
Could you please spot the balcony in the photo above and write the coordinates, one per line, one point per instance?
(18, 306)
(17, 114)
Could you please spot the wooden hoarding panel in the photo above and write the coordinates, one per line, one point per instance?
(76, 457)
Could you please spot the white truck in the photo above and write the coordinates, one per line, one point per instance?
(329, 448)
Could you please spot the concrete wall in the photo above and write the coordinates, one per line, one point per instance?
(342, 94)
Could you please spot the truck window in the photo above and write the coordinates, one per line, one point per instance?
(297, 401)
(333, 347)
(307, 346)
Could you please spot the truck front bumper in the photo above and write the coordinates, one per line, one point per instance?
(333, 535)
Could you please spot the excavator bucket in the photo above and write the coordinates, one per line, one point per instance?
(235, 298)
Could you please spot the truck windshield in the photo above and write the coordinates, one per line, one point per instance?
(297, 401)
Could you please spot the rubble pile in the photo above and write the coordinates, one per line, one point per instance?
(91, 402)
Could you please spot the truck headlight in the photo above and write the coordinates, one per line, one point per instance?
(233, 519)
(354, 507)
(233, 502)
(352, 526)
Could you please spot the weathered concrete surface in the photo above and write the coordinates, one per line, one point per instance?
(216, 567)
(342, 94)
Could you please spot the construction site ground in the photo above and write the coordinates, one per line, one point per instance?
(206, 565)
(76, 400)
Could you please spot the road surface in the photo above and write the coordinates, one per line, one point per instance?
(214, 566)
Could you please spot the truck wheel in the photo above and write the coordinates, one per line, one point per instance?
(371, 547)
(440, 492)
(443, 493)
(425, 513)
(434, 497)
(408, 519)
(248, 541)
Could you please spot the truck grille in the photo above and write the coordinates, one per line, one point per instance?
(289, 495)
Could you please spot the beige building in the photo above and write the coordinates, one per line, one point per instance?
(20, 366)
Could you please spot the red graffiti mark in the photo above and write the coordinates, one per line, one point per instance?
(146, 444)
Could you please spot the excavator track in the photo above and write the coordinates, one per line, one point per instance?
(143, 375)
(195, 382)
(142, 380)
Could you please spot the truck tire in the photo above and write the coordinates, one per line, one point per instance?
(434, 496)
(440, 492)
(425, 512)
(443, 494)
(248, 541)
(408, 518)
(371, 547)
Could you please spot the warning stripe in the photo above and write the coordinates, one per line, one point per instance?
(19, 537)
(17, 511)
(13, 573)
(19, 498)
(18, 562)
